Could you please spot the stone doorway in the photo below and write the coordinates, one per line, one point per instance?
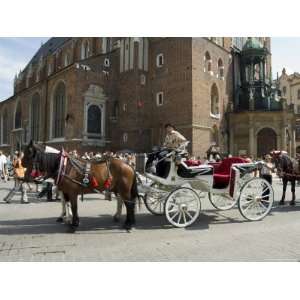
(266, 141)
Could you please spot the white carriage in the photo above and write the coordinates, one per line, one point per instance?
(178, 195)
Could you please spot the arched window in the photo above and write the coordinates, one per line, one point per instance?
(125, 137)
(284, 91)
(220, 69)
(214, 102)
(257, 72)
(35, 117)
(50, 69)
(115, 110)
(66, 59)
(18, 116)
(58, 119)
(5, 133)
(94, 120)
(85, 49)
(208, 62)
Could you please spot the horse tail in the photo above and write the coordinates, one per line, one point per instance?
(134, 190)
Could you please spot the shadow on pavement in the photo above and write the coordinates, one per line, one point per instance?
(104, 223)
(286, 207)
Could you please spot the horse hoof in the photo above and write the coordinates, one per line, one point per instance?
(75, 224)
(292, 203)
(127, 227)
(59, 220)
(281, 202)
(71, 229)
(68, 222)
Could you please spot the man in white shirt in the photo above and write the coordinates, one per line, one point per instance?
(172, 141)
(3, 162)
(173, 138)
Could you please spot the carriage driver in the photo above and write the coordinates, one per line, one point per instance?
(172, 141)
(173, 138)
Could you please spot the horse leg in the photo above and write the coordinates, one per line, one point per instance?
(130, 218)
(129, 200)
(68, 217)
(131, 197)
(60, 219)
(74, 207)
(283, 191)
(293, 185)
(117, 215)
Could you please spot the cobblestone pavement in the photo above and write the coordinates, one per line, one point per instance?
(28, 232)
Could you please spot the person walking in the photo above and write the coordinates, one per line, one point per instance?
(19, 180)
(3, 167)
(266, 173)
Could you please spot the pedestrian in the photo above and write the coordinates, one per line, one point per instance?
(3, 166)
(266, 173)
(86, 156)
(47, 189)
(19, 171)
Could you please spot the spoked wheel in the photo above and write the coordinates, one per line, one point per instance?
(221, 201)
(256, 199)
(155, 199)
(182, 207)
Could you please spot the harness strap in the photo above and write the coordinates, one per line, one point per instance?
(87, 171)
(62, 166)
(74, 180)
(107, 182)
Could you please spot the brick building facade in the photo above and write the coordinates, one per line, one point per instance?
(95, 94)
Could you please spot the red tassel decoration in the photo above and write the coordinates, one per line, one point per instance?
(107, 183)
(33, 174)
(94, 182)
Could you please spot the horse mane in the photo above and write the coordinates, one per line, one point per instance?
(47, 162)
(285, 162)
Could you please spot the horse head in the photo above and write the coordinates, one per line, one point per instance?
(30, 152)
(282, 161)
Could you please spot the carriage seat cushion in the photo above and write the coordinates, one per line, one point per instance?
(222, 175)
(192, 163)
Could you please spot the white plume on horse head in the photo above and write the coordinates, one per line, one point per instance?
(49, 149)
(278, 152)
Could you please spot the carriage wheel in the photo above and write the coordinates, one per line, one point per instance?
(221, 201)
(256, 199)
(182, 207)
(155, 199)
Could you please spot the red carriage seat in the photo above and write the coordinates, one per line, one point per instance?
(192, 163)
(222, 173)
(215, 165)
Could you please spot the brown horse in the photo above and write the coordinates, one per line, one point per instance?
(76, 177)
(288, 170)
